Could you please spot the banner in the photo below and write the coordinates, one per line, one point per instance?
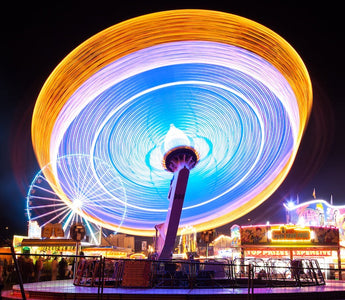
(286, 253)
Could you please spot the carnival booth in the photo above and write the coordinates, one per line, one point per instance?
(277, 244)
(292, 242)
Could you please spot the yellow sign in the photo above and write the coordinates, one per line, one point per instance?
(290, 234)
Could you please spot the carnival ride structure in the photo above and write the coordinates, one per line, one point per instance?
(85, 193)
(236, 95)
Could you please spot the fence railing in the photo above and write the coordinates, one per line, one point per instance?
(104, 272)
(197, 274)
(19, 269)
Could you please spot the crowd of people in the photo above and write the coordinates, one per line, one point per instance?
(37, 268)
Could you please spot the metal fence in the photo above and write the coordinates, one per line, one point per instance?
(101, 272)
(20, 269)
(197, 273)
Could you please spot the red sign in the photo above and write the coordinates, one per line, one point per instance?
(312, 252)
(283, 253)
(266, 253)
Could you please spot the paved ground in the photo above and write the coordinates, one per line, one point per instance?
(64, 289)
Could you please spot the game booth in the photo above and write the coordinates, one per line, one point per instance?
(314, 230)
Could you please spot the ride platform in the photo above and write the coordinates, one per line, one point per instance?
(64, 289)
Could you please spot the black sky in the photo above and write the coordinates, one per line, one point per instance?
(36, 37)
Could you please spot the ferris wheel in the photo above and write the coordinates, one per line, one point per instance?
(77, 196)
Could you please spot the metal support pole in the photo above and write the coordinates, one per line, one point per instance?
(19, 274)
(253, 275)
(250, 281)
(101, 278)
(76, 260)
(339, 263)
(156, 239)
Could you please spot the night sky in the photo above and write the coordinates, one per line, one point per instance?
(35, 38)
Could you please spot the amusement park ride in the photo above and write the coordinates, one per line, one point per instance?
(239, 97)
(178, 160)
(209, 93)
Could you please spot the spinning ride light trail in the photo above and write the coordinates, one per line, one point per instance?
(237, 90)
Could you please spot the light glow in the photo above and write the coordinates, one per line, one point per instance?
(174, 138)
(286, 253)
(86, 196)
(239, 93)
(290, 234)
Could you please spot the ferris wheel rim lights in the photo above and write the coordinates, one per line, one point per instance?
(232, 51)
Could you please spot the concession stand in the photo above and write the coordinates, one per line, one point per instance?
(283, 242)
(293, 242)
(313, 230)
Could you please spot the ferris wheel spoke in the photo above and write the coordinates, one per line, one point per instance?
(57, 216)
(67, 182)
(46, 206)
(82, 180)
(97, 182)
(76, 191)
(91, 231)
(76, 181)
(44, 189)
(50, 186)
(63, 217)
(86, 180)
(75, 218)
(46, 198)
(67, 189)
(78, 177)
(92, 186)
(49, 213)
(68, 221)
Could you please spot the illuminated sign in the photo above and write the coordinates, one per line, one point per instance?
(267, 253)
(77, 232)
(290, 234)
(317, 213)
(326, 235)
(254, 235)
(34, 230)
(282, 253)
(235, 231)
(312, 253)
(50, 230)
